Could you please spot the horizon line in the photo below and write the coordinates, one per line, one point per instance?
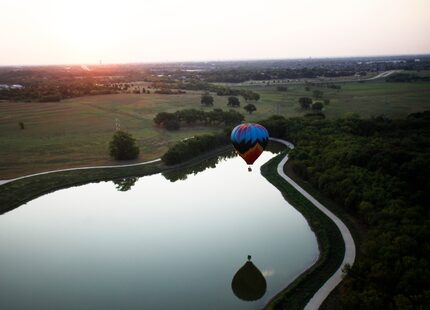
(216, 61)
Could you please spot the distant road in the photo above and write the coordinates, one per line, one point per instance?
(349, 258)
(262, 83)
(382, 75)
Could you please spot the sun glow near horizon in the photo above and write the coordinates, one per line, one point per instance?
(46, 31)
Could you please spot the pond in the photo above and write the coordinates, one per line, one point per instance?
(167, 241)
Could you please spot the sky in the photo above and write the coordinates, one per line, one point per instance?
(36, 32)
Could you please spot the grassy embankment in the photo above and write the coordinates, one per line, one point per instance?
(358, 231)
(331, 245)
(76, 132)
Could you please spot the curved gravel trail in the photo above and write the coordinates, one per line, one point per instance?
(349, 258)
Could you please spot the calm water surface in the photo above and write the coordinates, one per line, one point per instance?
(153, 243)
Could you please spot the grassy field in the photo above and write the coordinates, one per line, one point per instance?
(76, 132)
(368, 99)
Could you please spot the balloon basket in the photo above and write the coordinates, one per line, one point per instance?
(249, 169)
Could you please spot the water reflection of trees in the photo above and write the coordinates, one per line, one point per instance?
(249, 283)
(182, 173)
(125, 184)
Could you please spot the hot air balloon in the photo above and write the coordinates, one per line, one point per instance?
(249, 140)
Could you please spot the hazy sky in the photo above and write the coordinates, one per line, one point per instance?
(86, 31)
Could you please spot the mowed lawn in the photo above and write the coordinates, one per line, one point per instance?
(76, 132)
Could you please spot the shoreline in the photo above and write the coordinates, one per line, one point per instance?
(321, 278)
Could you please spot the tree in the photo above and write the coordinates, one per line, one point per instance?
(317, 106)
(305, 102)
(207, 99)
(250, 108)
(233, 102)
(21, 125)
(281, 88)
(123, 146)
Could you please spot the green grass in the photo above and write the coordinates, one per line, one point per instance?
(331, 245)
(395, 100)
(76, 132)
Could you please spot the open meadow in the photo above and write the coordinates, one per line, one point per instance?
(76, 132)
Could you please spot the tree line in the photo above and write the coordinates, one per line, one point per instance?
(53, 91)
(191, 117)
(246, 74)
(407, 78)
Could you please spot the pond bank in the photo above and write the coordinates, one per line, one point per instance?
(336, 244)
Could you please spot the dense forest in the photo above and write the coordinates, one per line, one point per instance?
(378, 171)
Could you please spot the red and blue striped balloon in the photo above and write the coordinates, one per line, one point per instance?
(249, 140)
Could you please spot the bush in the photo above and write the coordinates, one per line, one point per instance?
(123, 146)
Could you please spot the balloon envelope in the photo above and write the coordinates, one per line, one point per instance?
(249, 140)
